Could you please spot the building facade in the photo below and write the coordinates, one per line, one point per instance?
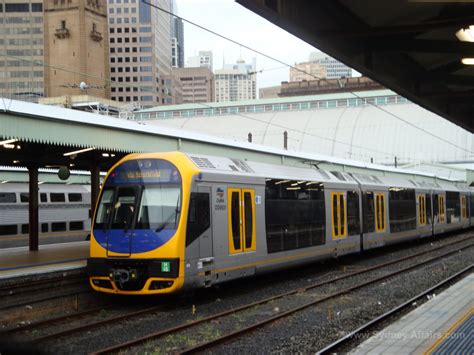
(76, 48)
(69, 36)
(140, 52)
(203, 59)
(269, 92)
(236, 82)
(334, 68)
(307, 71)
(177, 42)
(196, 84)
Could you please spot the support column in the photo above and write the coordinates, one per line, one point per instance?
(95, 183)
(33, 207)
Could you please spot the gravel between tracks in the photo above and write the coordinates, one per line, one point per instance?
(307, 331)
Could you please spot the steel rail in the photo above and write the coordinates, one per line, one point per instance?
(332, 348)
(272, 298)
(243, 331)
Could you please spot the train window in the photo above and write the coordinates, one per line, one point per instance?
(453, 207)
(24, 197)
(125, 208)
(44, 227)
(198, 216)
(57, 197)
(75, 197)
(249, 220)
(76, 226)
(368, 212)
(435, 208)
(7, 197)
(43, 197)
(8, 229)
(422, 209)
(58, 226)
(295, 214)
(380, 212)
(353, 215)
(103, 214)
(402, 208)
(429, 213)
(441, 208)
(471, 205)
(25, 228)
(463, 207)
(235, 221)
(338, 211)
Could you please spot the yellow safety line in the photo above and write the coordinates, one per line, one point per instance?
(450, 331)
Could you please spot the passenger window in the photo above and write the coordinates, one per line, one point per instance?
(7, 197)
(43, 197)
(75, 197)
(198, 216)
(24, 197)
(248, 212)
(368, 212)
(57, 197)
(353, 215)
(402, 209)
(235, 220)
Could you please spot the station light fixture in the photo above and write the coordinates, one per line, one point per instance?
(466, 34)
(467, 61)
(5, 181)
(8, 141)
(8, 146)
(78, 151)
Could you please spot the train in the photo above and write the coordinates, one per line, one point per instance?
(62, 208)
(174, 221)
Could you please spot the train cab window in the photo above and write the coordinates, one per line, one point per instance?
(353, 218)
(75, 197)
(295, 214)
(10, 229)
(43, 197)
(24, 197)
(379, 212)
(44, 227)
(7, 197)
(25, 228)
(57, 197)
(198, 216)
(76, 225)
(125, 208)
(402, 208)
(368, 212)
(58, 226)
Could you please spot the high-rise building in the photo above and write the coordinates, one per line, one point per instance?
(140, 52)
(334, 68)
(203, 59)
(236, 82)
(307, 71)
(50, 47)
(197, 84)
(177, 40)
(76, 48)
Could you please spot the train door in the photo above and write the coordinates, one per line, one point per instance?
(205, 240)
(380, 220)
(241, 220)
(339, 215)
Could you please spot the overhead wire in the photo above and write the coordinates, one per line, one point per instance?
(302, 71)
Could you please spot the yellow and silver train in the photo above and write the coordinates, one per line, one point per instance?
(167, 222)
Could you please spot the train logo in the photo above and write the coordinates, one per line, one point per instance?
(220, 195)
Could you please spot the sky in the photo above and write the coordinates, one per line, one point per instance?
(236, 22)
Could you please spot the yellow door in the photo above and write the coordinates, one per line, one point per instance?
(241, 220)
(339, 215)
(379, 212)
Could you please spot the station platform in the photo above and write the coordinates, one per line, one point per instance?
(443, 325)
(15, 262)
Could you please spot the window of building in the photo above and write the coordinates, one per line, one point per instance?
(37, 7)
(22, 7)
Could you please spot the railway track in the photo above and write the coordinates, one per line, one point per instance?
(280, 315)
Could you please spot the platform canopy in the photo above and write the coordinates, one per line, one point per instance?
(410, 47)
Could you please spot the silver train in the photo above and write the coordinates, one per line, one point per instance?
(172, 221)
(61, 208)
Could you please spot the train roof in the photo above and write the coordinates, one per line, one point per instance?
(222, 165)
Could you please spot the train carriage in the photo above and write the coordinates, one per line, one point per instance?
(171, 221)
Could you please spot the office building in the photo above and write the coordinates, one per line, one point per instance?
(334, 68)
(307, 71)
(196, 84)
(203, 59)
(236, 82)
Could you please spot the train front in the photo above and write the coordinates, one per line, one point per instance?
(137, 239)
